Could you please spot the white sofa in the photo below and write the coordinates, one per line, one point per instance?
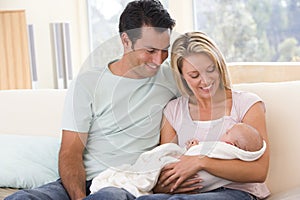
(30, 132)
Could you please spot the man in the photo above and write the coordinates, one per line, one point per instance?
(112, 114)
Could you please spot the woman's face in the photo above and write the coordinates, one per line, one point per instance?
(201, 75)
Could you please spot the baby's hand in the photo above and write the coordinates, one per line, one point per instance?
(191, 142)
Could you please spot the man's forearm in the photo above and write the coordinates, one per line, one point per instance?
(73, 178)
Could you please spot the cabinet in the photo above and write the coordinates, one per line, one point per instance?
(14, 51)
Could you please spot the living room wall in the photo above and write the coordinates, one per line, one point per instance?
(41, 14)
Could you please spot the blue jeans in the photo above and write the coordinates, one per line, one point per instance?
(50, 191)
(56, 191)
(111, 193)
(217, 194)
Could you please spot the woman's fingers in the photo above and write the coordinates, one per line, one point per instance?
(191, 182)
(191, 185)
(196, 181)
(165, 174)
(170, 179)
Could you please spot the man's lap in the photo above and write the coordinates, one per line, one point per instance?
(53, 190)
(111, 193)
(50, 191)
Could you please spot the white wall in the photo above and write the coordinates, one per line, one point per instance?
(182, 12)
(41, 13)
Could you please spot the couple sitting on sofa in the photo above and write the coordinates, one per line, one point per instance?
(146, 169)
(114, 114)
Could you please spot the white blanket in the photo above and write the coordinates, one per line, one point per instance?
(140, 178)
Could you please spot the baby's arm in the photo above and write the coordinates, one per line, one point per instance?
(191, 142)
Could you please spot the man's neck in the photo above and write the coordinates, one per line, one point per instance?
(121, 68)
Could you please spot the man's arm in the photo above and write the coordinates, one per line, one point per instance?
(71, 168)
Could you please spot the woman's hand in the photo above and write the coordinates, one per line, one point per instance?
(191, 185)
(177, 173)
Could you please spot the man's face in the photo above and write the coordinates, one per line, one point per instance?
(149, 52)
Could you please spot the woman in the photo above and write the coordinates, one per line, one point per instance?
(207, 108)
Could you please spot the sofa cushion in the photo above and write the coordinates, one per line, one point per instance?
(31, 112)
(28, 161)
(292, 194)
(282, 101)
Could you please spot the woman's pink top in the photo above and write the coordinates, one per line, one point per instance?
(177, 113)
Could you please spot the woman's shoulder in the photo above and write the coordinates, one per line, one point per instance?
(242, 102)
(175, 107)
(177, 101)
(240, 95)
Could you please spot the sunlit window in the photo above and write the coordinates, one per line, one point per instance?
(252, 30)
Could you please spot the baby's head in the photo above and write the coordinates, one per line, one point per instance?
(244, 137)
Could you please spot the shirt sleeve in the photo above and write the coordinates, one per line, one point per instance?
(245, 101)
(77, 113)
(173, 113)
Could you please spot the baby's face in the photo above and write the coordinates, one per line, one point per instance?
(243, 137)
(231, 136)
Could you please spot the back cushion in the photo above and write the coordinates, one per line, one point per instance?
(31, 112)
(283, 125)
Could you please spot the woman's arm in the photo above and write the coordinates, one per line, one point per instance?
(257, 169)
(167, 132)
(242, 171)
(167, 135)
(234, 170)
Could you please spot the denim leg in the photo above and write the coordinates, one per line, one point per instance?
(50, 191)
(111, 193)
(218, 194)
(154, 197)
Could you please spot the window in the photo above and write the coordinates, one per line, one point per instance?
(104, 19)
(252, 30)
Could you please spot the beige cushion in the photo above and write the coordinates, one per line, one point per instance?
(292, 194)
(31, 112)
(283, 124)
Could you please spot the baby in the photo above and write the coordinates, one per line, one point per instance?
(240, 135)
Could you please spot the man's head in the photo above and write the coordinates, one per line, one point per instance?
(141, 13)
(145, 29)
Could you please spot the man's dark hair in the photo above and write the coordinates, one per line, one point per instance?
(144, 12)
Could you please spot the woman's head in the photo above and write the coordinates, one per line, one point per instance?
(193, 49)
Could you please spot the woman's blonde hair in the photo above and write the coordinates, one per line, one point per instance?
(194, 43)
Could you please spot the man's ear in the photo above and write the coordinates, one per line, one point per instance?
(126, 41)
